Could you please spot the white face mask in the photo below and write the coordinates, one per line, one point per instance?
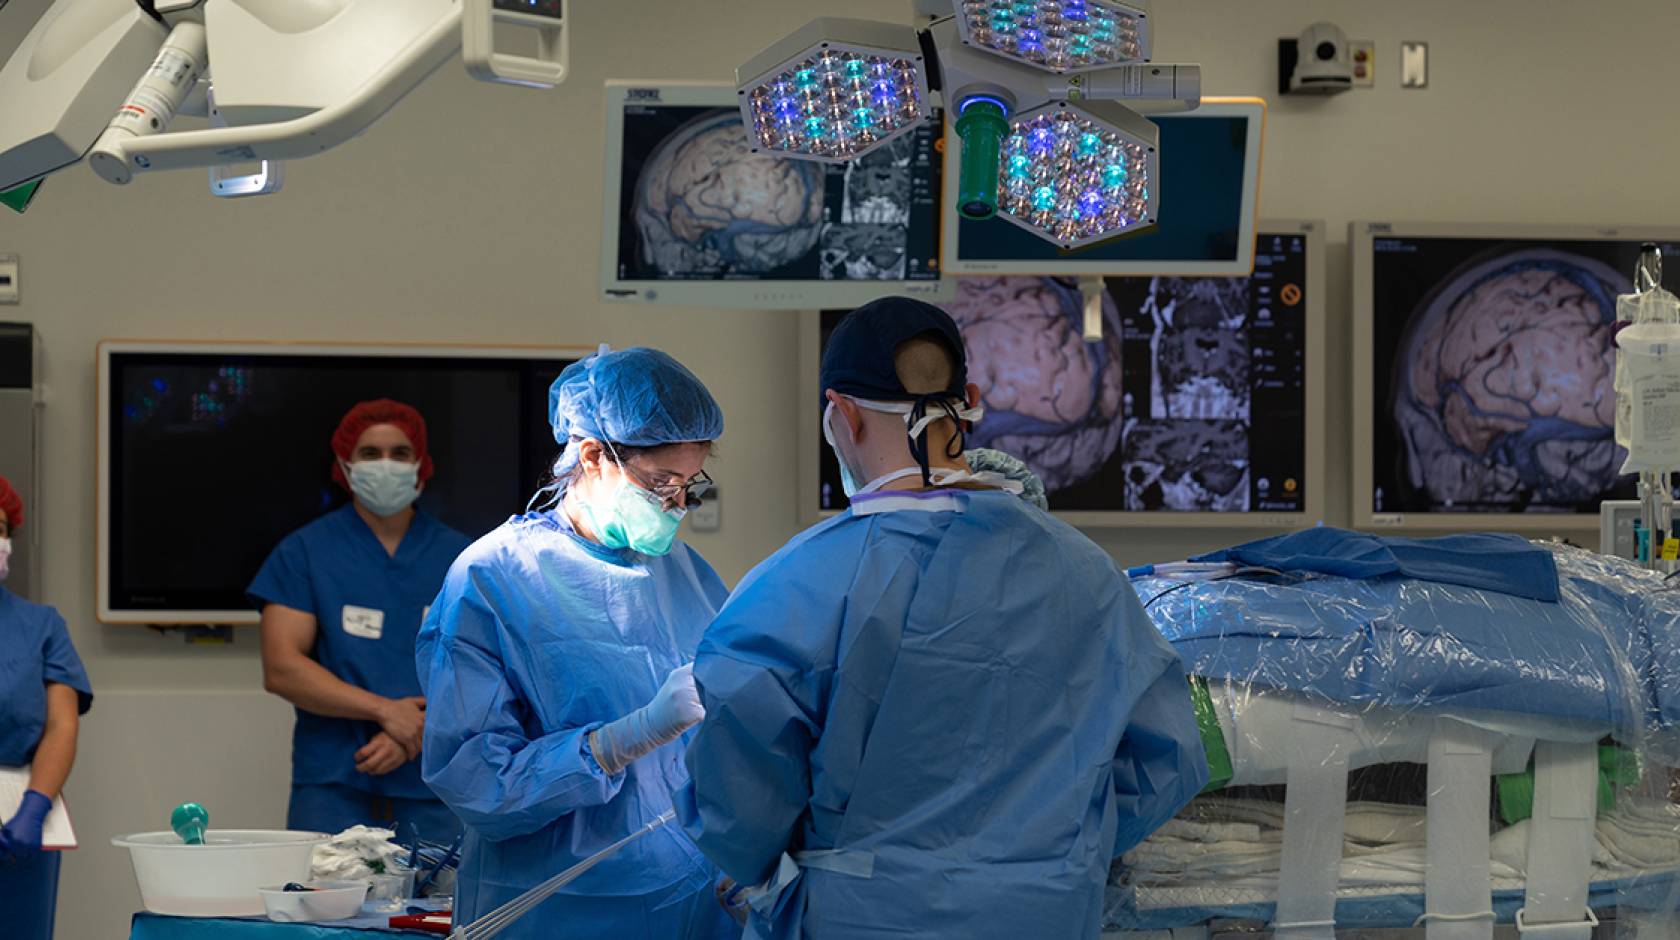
(5, 558)
(384, 487)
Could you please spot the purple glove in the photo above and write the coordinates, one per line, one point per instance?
(21, 838)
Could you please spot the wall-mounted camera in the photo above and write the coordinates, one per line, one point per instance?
(1317, 63)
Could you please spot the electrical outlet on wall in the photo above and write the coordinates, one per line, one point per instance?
(1363, 53)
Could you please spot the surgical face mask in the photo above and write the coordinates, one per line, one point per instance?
(848, 481)
(631, 517)
(5, 558)
(384, 487)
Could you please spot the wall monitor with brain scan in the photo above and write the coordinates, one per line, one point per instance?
(694, 218)
(1203, 405)
(1483, 363)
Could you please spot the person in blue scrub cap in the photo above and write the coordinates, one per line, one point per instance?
(942, 713)
(342, 599)
(43, 693)
(557, 668)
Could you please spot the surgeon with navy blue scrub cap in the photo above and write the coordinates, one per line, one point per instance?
(942, 713)
(557, 665)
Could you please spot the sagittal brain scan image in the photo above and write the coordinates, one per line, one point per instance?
(1051, 398)
(1494, 370)
(698, 204)
(707, 205)
(1193, 400)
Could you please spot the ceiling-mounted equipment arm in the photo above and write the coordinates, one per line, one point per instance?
(153, 103)
(297, 138)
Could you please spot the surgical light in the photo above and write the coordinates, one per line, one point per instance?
(834, 90)
(1076, 174)
(1058, 35)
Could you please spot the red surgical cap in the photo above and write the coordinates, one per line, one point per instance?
(11, 504)
(379, 411)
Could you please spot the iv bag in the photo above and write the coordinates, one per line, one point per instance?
(1648, 373)
(1650, 307)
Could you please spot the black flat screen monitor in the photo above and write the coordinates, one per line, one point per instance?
(212, 455)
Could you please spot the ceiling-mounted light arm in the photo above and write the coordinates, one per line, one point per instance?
(298, 138)
(1146, 89)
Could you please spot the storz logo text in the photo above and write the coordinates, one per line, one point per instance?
(642, 94)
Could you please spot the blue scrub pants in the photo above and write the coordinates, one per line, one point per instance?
(29, 895)
(332, 809)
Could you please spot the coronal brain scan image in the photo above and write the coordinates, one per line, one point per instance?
(1051, 398)
(1200, 347)
(1186, 466)
(878, 185)
(863, 252)
(1500, 385)
(705, 205)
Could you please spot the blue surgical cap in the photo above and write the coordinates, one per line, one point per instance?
(639, 397)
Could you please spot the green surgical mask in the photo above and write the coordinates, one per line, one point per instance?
(635, 519)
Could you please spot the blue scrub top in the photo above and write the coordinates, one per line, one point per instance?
(956, 696)
(368, 606)
(538, 638)
(35, 649)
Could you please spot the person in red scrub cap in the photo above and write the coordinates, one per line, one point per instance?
(342, 600)
(44, 691)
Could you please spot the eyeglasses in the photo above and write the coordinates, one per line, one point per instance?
(691, 491)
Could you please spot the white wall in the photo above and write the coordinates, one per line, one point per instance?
(471, 214)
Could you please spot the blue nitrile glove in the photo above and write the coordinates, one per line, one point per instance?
(21, 838)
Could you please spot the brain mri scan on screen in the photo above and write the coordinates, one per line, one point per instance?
(1504, 389)
(1051, 399)
(707, 205)
(1193, 401)
(1494, 361)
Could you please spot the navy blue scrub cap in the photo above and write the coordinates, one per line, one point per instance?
(858, 360)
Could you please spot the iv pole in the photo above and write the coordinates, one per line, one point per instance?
(1656, 492)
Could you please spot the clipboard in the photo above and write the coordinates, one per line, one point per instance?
(57, 834)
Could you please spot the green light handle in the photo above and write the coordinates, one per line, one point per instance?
(190, 821)
(981, 127)
(18, 198)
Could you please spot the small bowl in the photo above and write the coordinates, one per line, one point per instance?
(391, 891)
(331, 900)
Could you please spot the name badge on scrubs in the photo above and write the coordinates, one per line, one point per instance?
(364, 622)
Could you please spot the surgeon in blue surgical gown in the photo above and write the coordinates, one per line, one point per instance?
(557, 668)
(942, 713)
